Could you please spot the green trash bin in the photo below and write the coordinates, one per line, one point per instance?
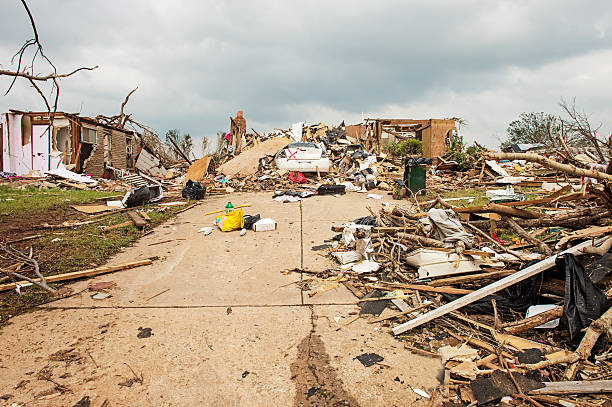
(415, 178)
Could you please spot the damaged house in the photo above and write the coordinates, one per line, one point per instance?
(435, 134)
(80, 144)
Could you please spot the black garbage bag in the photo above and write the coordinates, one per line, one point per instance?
(331, 190)
(193, 190)
(411, 162)
(138, 197)
(517, 297)
(583, 302)
(249, 220)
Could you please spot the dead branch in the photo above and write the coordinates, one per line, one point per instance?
(581, 126)
(22, 258)
(522, 233)
(44, 78)
(27, 71)
(121, 114)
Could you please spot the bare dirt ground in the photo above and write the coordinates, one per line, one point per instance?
(227, 328)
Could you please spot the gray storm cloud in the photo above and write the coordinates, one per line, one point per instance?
(197, 62)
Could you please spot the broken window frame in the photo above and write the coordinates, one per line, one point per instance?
(89, 130)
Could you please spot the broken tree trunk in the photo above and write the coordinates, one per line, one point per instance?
(500, 209)
(565, 168)
(522, 233)
(601, 250)
(597, 327)
(178, 150)
(526, 324)
(488, 290)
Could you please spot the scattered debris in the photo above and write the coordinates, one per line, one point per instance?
(369, 359)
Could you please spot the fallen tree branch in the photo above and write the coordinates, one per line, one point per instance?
(522, 233)
(593, 332)
(547, 162)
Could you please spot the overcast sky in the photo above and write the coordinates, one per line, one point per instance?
(198, 62)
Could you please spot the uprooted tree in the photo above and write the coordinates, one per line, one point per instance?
(32, 54)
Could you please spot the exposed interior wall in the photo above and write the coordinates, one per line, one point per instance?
(40, 147)
(16, 157)
(2, 140)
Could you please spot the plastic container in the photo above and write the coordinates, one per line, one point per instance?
(264, 225)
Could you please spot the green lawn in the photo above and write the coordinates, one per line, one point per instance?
(67, 249)
(15, 201)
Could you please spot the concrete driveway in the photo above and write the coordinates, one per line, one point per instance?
(228, 328)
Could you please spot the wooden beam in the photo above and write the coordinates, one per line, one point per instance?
(85, 273)
(576, 387)
(488, 290)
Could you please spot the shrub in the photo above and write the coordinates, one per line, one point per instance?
(404, 148)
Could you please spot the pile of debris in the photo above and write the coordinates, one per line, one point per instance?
(496, 291)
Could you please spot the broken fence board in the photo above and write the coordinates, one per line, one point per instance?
(84, 273)
(488, 290)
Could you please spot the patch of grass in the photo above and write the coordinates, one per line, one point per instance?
(23, 201)
(81, 248)
(478, 194)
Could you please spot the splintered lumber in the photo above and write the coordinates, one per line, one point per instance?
(546, 162)
(577, 387)
(85, 273)
(138, 221)
(526, 324)
(593, 332)
(522, 233)
(487, 290)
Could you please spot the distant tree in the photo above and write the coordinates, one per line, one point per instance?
(184, 141)
(534, 127)
(204, 145)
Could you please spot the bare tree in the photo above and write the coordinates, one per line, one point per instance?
(26, 70)
(580, 132)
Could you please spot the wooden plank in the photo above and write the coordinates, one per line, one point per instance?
(84, 273)
(118, 226)
(138, 221)
(92, 209)
(488, 290)
(575, 387)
